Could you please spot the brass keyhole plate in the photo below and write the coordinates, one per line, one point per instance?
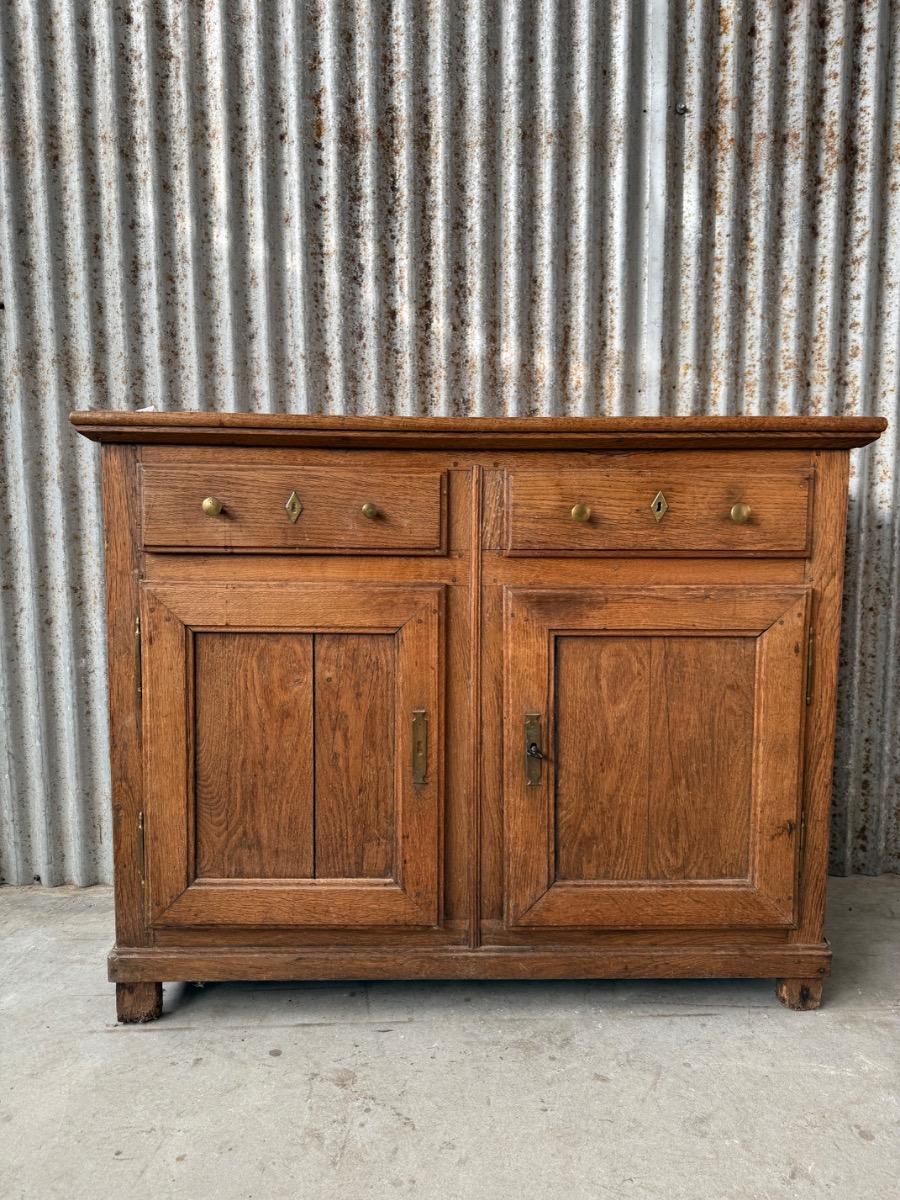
(293, 507)
(533, 757)
(659, 506)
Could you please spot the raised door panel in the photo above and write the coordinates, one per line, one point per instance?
(670, 724)
(355, 680)
(253, 779)
(601, 800)
(654, 739)
(282, 783)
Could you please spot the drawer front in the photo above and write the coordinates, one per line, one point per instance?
(300, 509)
(678, 508)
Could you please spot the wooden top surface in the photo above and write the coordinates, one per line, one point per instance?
(480, 433)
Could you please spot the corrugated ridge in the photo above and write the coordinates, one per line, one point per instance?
(424, 207)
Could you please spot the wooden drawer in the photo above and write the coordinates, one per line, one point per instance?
(409, 516)
(680, 506)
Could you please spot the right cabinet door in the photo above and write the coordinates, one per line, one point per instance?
(653, 756)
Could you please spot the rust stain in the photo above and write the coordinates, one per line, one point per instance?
(436, 208)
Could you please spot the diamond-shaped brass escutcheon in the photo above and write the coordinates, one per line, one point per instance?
(293, 507)
(659, 506)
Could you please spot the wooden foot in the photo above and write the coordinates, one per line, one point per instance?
(800, 994)
(138, 1002)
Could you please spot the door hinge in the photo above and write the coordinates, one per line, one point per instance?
(801, 847)
(140, 845)
(810, 659)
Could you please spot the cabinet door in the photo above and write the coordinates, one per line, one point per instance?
(292, 754)
(670, 722)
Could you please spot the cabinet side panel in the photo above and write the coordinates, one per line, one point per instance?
(253, 786)
(355, 682)
(826, 574)
(121, 516)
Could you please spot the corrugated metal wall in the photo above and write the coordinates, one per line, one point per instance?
(444, 207)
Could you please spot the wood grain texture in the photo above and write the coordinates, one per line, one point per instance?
(494, 508)
(410, 508)
(473, 814)
(826, 576)
(224, 569)
(167, 747)
(687, 904)
(701, 703)
(495, 933)
(603, 721)
(397, 962)
(780, 722)
(492, 851)
(644, 571)
(462, 758)
(500, 433)
(450, 933)
(776, 618)
(411, 618)
(355, 736)
(137, 1003)
(802, 995)
(690, 610)
(121, 515)
(309, 607)
(700, 496)
(422, 659)
(342, 903)
(717, 892)
(459, 515)
(654, 757)
(254, 757)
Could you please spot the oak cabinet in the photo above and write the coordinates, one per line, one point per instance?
(424, 698)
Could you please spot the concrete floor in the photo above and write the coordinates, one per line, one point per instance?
(706, 1090)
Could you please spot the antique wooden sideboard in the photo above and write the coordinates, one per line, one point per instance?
(471, 698)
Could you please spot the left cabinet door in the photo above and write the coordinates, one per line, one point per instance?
(292, 754)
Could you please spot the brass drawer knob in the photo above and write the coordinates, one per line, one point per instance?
(581, 513)
(740, 513)
(370, 510)
(211, 506)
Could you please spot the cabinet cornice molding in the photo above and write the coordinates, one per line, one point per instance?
(480, 433)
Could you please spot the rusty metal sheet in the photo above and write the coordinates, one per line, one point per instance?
(430, 207)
